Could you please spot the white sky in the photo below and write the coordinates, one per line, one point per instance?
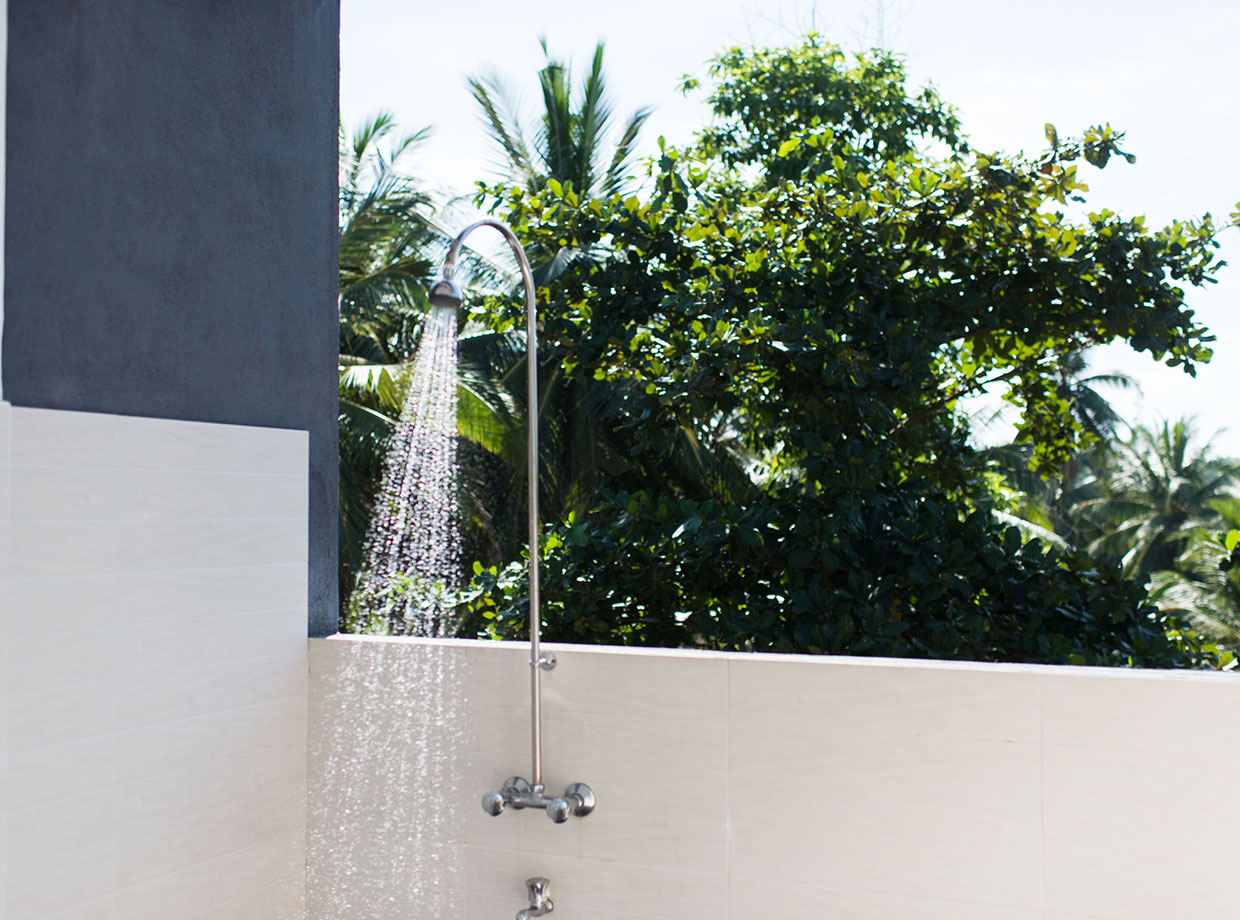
(1163, 72)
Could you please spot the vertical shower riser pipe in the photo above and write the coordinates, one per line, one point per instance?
(531, 458)
(578, 798)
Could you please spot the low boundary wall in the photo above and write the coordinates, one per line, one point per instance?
(782, 787)
(152, 668)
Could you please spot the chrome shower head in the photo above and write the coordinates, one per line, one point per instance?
(446, 293)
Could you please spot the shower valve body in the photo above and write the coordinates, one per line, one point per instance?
(578, 799)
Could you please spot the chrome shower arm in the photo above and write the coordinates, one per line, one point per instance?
(578, 798)
(447, 292)
(454, 251)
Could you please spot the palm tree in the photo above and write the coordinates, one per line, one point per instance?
(1205, 586)
(1053, 507)
(1077, 482)
(1156, 490)
(390, 245)
(386, 233)
(571, 143)
(1092, 410)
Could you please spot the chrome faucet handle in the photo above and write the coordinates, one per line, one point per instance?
(578, 800)
(512, 792)
(582, 798)
(493, 803)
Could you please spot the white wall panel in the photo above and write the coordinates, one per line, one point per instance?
(4, 52)
(786, 787)
(155, 721)
(6, 582)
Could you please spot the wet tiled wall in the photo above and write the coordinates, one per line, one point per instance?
(768, 787)
(154, 726)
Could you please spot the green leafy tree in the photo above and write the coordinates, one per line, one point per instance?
(823, 278)
(792, 111)
(584, 443)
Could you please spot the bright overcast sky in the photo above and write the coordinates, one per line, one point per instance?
(1163, 72)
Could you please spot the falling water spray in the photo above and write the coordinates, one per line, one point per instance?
(410, 575)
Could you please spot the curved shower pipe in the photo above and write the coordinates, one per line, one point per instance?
(578, 798)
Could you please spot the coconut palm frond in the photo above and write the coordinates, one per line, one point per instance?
(572, 138)
(502, 116)
(622, 160)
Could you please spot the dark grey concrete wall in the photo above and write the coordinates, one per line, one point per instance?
(170, 223)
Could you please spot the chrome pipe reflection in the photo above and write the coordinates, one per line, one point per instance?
(516, 791)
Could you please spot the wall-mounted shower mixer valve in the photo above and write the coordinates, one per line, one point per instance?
(578, 799)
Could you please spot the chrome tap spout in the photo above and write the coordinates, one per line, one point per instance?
(540, 899)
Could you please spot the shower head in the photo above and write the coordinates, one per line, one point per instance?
(446, 293)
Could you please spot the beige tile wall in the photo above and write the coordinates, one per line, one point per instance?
(788, 788)
(155, 726)
(4, 614)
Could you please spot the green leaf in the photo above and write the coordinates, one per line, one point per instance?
(1231, 540)
(788, 146)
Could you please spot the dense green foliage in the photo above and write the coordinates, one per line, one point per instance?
(814, 287)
